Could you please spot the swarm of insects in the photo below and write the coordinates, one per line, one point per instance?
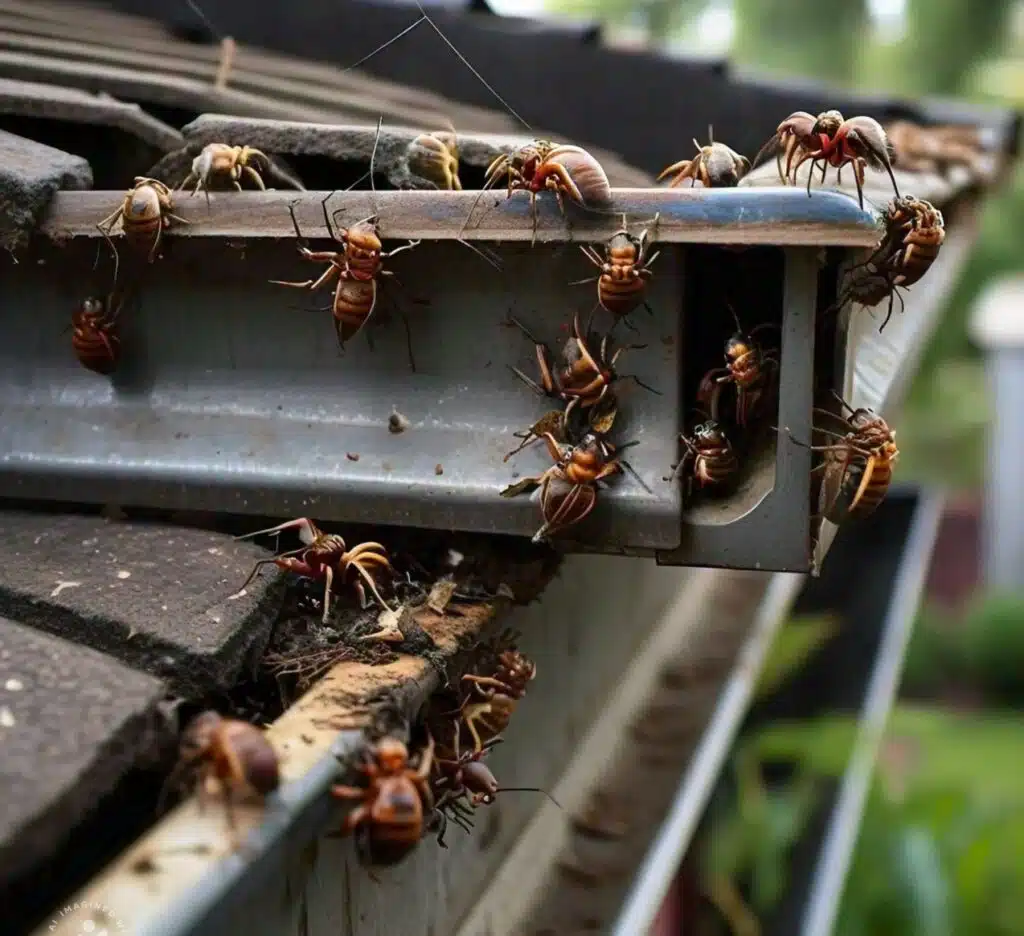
(435, 157)
(542, 166)
(709, 455)
(914, 234)
(219, 162)
(750, 368)
(325, 556)
(625, 270)
(830, 140)
(857, 466)
(935, 149)
(94, 336)
(145, 213)
(357, 267)
(229, 757)
(395, 802)
(715, 166)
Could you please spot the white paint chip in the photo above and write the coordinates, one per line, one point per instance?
(123, 574)
(62, 585)
(14, 685)
(6, 717)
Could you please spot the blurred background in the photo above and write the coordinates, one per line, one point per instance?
(941, 850)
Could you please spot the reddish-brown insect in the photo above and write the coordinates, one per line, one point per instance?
(492, 701)
(395, 802)
(220, 161)
(356, 267)
(831, 140)
(542, 166)
(324, 556)
(228, 754)
(914, 234)
(857, 467)
(585, 379)
(714, 461)
(715, 165)
(94, 336)
(625, 270)
(569, 425)
(749, 367)
(568, 489)
(145, 213)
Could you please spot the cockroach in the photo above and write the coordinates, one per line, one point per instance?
(714, 460)
(145, 213)
(568, 489)
(935, 149)
(231, 754)
(715, 165)
(395, 802)
(914, 234)
(435, 157)
(542, 166)
(324, 556)
(831, 140)
(585, 379)
(625, 270)
(493, 698)
(94, 336)
(356, 267)
(749, 367)
(230, 163)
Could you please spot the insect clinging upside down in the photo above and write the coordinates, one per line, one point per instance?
(625, 270)
(714, 460)
(324, 555)
(94, 335)
(831, 140)
(488, 709)
(715, 166)
(230, 163)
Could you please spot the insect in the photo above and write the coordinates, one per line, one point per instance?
(492, 701)
(94, 336)
(232, 754)
(935, 149)
(714, 461)
(831, 140)
(218, 160)
(435, 157)
(542, 166)
(625, 270)
(585, 379)
(569, 425)
(390, 819)
(568, 489)
(857, 467)
(716, 166)
(145, 213)
(749, 367)
(914, 234)
(324, 556)
(356, 267)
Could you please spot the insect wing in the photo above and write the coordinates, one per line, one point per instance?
(834, 495)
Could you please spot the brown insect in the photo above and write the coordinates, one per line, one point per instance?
(324, 556)
(395, 802)
(625, 270)
(228, 754)
(715, 165)
(435, 157)
(585, 378)
(714, 460)
(94, 336)
(749, 367)
(220, 161)
(935, 149)
(568, 489)
(831, 140)
(542, 166)
(857, 467)
(914, 234)
(145, 213)
(569, 425)
(356, 267)
(492, 701)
